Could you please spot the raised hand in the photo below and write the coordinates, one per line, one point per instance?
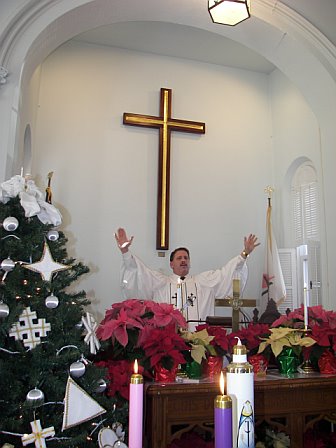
(122, 240)
(250, 243)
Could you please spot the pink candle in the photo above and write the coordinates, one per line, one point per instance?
(223, 418)
(135, 409)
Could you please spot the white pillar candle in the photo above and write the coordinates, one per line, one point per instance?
(240, 387)
(305, 306)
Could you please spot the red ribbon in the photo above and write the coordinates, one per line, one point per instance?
(162, 375)
(259, 363)
(212, 366)
(327, 363)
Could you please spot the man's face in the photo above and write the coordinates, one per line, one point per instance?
(181, 263)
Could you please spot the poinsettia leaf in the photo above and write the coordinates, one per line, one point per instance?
(277, 346)
(198, 353)
(307, 342)
(263, 345)
(121, 335)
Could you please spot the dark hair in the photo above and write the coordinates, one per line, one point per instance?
(172, 255)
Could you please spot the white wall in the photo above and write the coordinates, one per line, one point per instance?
(297, 139)
(106, 173)
(299, 51)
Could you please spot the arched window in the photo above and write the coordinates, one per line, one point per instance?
(305, 205)
(305, 215)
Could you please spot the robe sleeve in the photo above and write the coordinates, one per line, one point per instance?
(220, 280)
(138, 280)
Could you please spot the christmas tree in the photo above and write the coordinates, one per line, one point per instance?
(52, 393)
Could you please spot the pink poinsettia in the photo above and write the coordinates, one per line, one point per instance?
(134, 308)
(117, 328)
(165, 314)
(142, 315)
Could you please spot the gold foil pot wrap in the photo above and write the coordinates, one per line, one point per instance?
(223, 402)
(136, 378)
(236, 367)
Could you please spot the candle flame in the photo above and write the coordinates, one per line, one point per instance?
(136, 366)
(222, 383)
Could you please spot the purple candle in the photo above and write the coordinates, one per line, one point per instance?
(223, 418)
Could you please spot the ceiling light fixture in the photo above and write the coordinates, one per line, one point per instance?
(229, 12)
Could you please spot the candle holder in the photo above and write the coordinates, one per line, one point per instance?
(306, 367)
(223, 402)
(136, 378)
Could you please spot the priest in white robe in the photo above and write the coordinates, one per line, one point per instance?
(193, 295)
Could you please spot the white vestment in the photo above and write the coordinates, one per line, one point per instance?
(198, 292)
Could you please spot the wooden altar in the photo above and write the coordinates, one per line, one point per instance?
(292, 405)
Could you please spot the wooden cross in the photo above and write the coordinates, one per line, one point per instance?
(165, 124)
(235, 302)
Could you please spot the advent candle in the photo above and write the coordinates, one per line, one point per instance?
(240, 387)
(223, 418)
(179, 294)
(305, 306)
(135, 409)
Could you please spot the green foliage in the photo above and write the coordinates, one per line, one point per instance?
(45, 367)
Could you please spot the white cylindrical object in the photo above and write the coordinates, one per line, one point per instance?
(240, 387)
(179, 295)
(305, 306)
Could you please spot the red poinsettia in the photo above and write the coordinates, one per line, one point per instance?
(165, 346)
(321, 324)
(118, 377)
(250, 336)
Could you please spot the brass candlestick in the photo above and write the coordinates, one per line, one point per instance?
(306, 366)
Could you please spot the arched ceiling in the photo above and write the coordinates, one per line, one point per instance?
(171, 39)
(182, 29)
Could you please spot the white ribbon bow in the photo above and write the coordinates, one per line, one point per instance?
(31, 199)
(91, 338)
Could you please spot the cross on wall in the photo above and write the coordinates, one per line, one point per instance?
(166, 124)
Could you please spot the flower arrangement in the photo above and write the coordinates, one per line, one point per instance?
(220, 342)
(200, 344)
(321, 329)
(127, 325)
(282, 337)
(143, 330)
